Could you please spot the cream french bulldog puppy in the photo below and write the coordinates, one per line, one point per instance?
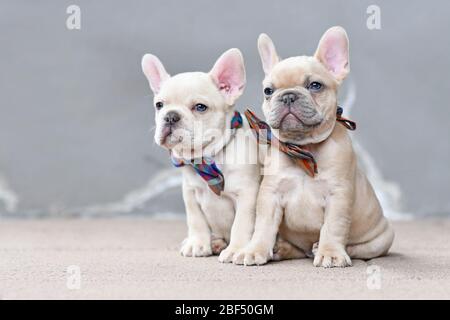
(337, 207)
(193, 115)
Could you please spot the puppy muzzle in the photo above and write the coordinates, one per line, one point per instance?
(168, 124)
(293, 109)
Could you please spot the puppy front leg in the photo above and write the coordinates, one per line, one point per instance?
(334, 232)
(243, 224)
(198, 242)
(268, 219)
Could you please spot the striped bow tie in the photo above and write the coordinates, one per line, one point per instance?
(206, 168)
(302, 157)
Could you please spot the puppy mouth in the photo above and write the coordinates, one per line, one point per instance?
(290, 117)
(171, 137)
(165, 133)
(168, 138)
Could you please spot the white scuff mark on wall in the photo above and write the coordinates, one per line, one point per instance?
(169, 215)
(136, 199)
(388, 192)
(9, 198)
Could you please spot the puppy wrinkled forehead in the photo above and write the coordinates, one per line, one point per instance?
(296, 71)
(184, 86)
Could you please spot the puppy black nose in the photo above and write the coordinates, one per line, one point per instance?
(171, 118)
(289, 98)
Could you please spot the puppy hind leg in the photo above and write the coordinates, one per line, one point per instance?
(376, 247)
(284, 250)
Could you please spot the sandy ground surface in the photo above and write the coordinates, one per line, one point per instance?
(137, 258)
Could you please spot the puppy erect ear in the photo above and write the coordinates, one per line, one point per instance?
(267, 52)
(229, 75)
(332, 52)
(154, 71)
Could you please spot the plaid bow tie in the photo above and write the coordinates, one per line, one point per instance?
(206, 168)
(302, 157)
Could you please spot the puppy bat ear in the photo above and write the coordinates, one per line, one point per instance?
(228, 74)
(154, 71)
(267, 52)
(332, 52)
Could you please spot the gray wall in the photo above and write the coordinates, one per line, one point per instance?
(75, 110)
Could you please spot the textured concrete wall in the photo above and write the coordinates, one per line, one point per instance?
(76, 114)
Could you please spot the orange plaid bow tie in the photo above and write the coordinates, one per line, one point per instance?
(302, 157)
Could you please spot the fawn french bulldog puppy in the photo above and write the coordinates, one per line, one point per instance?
(197, 123)
(333, 205)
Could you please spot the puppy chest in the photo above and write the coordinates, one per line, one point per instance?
(304, 202)
(219, 211)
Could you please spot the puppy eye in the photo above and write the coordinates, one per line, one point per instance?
(315, 86)
(159, 105)
(268, 91)
(200, 107)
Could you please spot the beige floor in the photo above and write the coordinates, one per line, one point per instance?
(138, 258)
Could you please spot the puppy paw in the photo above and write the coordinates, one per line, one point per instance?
(194, 247)
(228, 254)
(284, 250)
(329, 257)
(252, 256)
(218, 245)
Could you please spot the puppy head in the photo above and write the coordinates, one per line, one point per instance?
(193, 109)
(301, 92)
